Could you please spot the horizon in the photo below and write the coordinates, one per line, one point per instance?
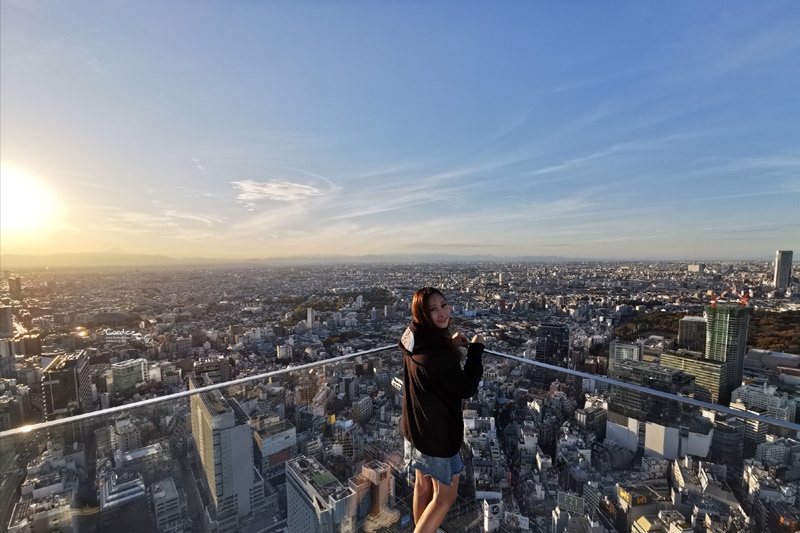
(299, 131)
(117, 259)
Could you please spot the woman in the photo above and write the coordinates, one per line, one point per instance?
(435, 385)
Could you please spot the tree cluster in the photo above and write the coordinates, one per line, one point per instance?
(777, 332)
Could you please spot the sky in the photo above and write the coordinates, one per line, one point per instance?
(625, 130)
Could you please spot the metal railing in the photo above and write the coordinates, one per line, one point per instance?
(151, 401)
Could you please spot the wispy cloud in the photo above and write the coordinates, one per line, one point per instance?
(207, 220)
(281, 191)
(198, 165)
(128, 222)
(776, 41)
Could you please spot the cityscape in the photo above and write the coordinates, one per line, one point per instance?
(214, 217)
(305, 435)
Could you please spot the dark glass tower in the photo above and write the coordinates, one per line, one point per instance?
(67, 386)
(783, 269)
(692, 333)
(552, 347)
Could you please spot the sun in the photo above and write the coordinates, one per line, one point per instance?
(28, 205)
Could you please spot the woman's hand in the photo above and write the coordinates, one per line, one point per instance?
(478, 339)
(460, 340)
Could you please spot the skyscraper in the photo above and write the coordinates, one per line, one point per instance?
(552, 347)
(783, 269)
(8, 360)
(6, 322)
(67, 386)
(224, 443)
(15, 288)
(692, 333)
(726, 341)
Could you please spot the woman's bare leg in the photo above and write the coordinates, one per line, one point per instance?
(443, 498)
(423, 494)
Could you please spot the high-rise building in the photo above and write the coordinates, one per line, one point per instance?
(692, 333)
(67, 386)
(169, 506)
(623, 351)
(646, 407)
(275, 444)
(768, 399)
(15, 288)
(224, 442)
(124, 505)
(316, 501)
(755, 431)
(783, 269)
(727, 443)
(710, 376)
(726, 341)
(552, 345)
(6, 322)
(592, 419)
(8, 359)
(127, 374)
(218, 368)
(779, 451)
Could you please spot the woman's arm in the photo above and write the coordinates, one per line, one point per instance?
(458, 382)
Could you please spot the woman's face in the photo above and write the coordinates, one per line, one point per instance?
(438, 310)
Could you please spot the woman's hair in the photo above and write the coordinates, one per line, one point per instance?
(421, 315)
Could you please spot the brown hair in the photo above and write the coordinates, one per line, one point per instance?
(421, 316)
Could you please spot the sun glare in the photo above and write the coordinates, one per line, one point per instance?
(28, 205)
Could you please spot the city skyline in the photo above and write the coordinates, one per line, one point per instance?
(305, 130)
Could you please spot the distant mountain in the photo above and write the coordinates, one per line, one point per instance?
(409, 258)
(120, 259)
(84, 260)
(116, 258)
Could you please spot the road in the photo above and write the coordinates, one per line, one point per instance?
(11, 476)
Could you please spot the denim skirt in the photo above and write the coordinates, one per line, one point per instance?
(440, 468)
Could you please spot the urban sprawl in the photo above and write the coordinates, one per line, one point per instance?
(281, 438)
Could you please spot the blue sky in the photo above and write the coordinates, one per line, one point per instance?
(247, 129)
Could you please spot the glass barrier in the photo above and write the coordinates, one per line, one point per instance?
(317, 447)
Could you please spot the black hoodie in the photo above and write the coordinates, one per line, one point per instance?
(434, 387)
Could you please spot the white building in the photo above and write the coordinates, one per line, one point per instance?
(169, 506)
(316, 501)
(623, 351)
(127, 374)
(765, 398)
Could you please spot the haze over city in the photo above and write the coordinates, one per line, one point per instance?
(219, 130)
